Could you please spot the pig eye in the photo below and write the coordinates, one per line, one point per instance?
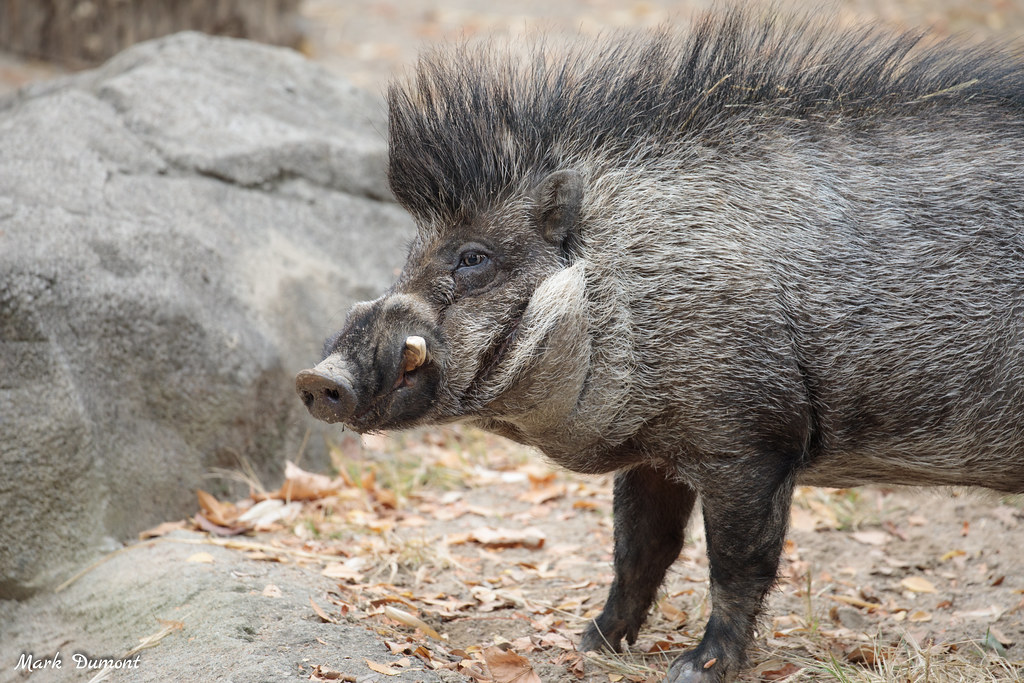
(475, 270)
(472, 259)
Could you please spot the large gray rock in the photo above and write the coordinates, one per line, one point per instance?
(178, 230)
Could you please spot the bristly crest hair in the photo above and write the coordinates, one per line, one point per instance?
(474, 123)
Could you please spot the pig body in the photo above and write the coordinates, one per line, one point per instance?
(720, 264)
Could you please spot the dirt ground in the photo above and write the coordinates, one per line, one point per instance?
(452, 555)
(487, 546)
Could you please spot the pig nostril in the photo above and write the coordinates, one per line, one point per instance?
(328, 397)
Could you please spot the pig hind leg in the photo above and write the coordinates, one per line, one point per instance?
(651, 512)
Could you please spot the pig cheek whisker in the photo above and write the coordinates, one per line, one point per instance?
(457, 391)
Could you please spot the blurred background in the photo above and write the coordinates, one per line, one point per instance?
(367, 41)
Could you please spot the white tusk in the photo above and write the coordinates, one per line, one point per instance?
(415, 352)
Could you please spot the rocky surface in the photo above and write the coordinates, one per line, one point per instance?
(178, 231)
(208, 613)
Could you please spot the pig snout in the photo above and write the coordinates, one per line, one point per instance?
(326, 392)
(350, 389)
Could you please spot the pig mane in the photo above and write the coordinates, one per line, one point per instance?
(474, 123)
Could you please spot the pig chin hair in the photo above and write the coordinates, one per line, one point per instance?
(550, 348)
(458, 390)
(553, 349)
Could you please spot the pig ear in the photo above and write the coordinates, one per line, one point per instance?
(557, 202)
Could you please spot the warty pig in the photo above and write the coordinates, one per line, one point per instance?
(764, 252)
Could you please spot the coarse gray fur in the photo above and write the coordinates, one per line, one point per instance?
(765, 251)
(808, 219)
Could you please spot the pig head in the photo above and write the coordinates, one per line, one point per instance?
(487, 321)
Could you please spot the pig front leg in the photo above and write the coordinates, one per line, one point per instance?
(650, 520)
(746, 514)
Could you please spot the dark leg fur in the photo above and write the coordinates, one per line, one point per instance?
(650, 520)
(746, 512)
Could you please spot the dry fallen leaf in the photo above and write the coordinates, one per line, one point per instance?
(321, 674)
(153, 639)
(409, 620)
(536, 496)
(508, 538)
(264, 514)
(775, 670)
(557, 640)
(490, 600)
(161, 529)
(302, 485)
(539, 476)
(381, 668)
(992, 613)
(348, 569)
(322, 614)
(384, 497)
(671, 612)
(999, 636)
(221, 514)
(918, 584)
(856, 602)
(662, 646)
(206, 525)
(471, 668)
(866, 654)
(483, 581)
(871, 537)
(217, 517)
(508, 667)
